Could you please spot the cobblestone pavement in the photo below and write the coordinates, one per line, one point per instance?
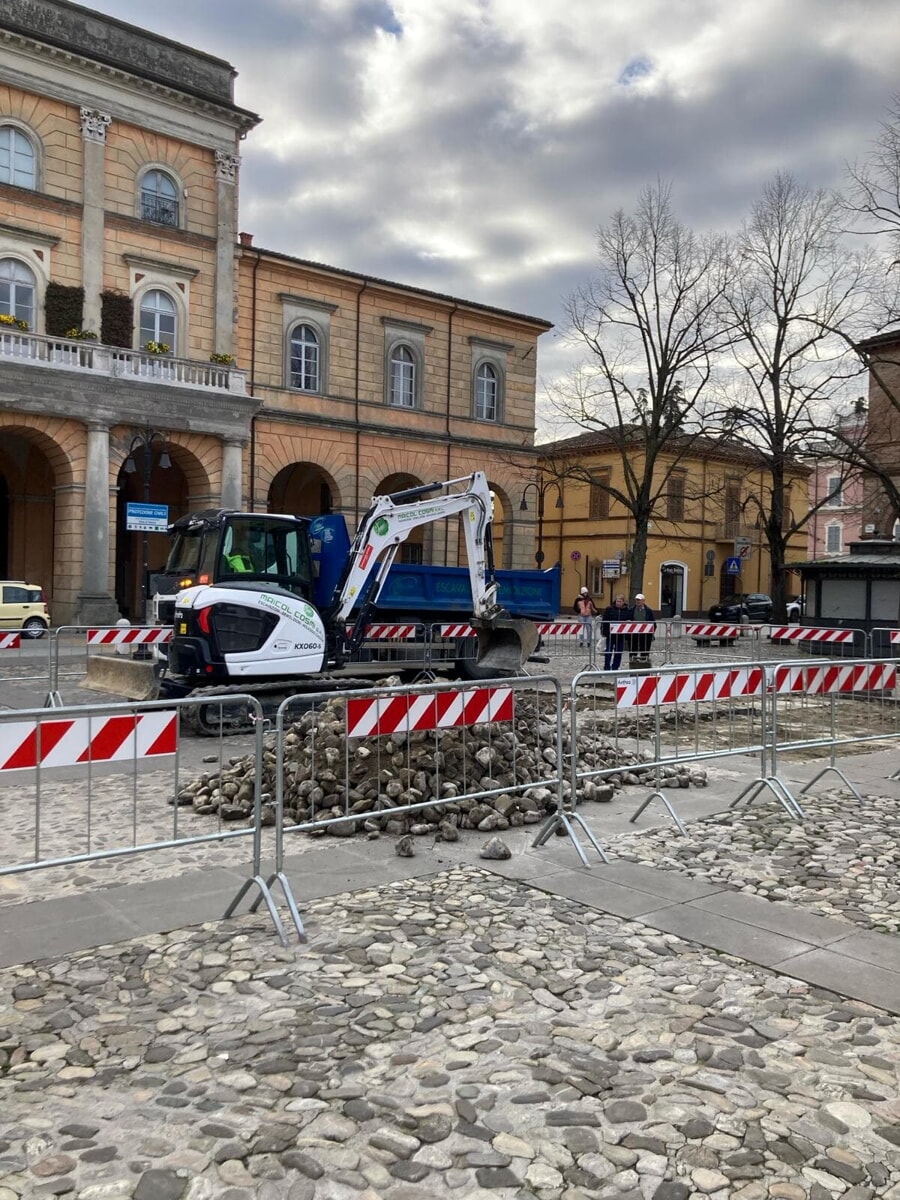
(459, 1035)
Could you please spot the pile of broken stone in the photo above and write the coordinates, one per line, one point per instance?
(487, 777)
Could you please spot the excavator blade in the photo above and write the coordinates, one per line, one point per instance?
(504, 643)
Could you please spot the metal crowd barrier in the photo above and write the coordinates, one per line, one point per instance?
(430, 752)
(96, 638)
(92, 819)
(17, 666)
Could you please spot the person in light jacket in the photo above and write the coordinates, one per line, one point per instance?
(586, 609)
(641, 642)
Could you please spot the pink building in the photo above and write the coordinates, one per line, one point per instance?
(839, 520)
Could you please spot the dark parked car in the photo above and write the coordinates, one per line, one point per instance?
(755, 606)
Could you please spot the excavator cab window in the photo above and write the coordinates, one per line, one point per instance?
(270, 549)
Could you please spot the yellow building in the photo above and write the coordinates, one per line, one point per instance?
(704, 518)
(154, 357)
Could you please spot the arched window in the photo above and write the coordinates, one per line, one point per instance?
(159, 198)
(18, 162)
(159, 320)
(486, 390)
(305, 358)
(403, 377)
(17, 290)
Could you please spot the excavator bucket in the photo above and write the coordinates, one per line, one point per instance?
(504, 643)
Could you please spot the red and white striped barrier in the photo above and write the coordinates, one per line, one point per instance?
(559, 628)
(796, 633)
(460, 630)
(825, 680)
(894, 638)
(632, 627)
(136, 637)
(64, 743)
(394, 633)
(689, 686)
(10, 641)
(441, 710)
(706, 630)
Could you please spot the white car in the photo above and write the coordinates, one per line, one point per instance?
(796, 608)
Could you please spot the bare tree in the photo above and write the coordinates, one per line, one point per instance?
(652, 322)
(800, 296)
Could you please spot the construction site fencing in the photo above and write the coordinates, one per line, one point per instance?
(124, 788)
(377, 759)
(23, 659)
(71, 648)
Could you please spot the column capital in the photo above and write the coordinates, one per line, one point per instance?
(94, 125)
(227, 166)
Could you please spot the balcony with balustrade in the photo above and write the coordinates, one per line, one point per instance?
(115, 362)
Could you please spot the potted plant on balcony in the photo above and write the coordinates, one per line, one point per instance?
(157, 347)
(81, 335)
(222, 360)
(8, 321)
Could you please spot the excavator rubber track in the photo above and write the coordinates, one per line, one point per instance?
(218, 719)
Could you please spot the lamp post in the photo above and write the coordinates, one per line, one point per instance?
(541, 487)
(144, 443)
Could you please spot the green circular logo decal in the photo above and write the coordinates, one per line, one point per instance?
(381, 526)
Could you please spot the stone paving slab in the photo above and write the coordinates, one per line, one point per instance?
(756, 945)
(788, 919)
(844, 975)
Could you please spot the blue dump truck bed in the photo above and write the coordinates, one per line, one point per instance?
(430, 592)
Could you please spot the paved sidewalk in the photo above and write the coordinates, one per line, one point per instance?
(788, 939)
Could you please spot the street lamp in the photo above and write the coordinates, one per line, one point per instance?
(145, 443)
(541, 487)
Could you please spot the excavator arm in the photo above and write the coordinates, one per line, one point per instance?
(504, 643)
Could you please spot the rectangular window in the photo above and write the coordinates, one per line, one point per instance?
(675, 496)
(835, 492)
(732, 508)
(833, 539)
(599, 500)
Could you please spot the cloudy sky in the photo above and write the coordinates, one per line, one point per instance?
(473, 146)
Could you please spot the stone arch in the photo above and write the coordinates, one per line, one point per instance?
(304, 489)
(184, 486)
(41, 506)
(419, 546)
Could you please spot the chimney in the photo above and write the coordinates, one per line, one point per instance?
(246, 239)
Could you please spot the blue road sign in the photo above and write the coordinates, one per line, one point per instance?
(733, 566)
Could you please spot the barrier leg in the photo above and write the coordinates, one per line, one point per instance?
(566, 821)
(781, 793)
(657, 795)
(840, 774)
(264, 894)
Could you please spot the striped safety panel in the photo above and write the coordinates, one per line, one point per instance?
(378, 633)
(9, 641)
(895, 637)
(632, 627)
(442, 710)
(136, 637)
(559, 628)
(826, 680)
(461, 630)
(64, 743)
(706, 630)
(687, 687)
(794, 633)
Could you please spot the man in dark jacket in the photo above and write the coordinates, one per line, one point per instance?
(641, 642)
(615, 642)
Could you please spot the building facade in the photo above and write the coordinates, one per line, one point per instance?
(704, 543)
(836, 495)
(149, 355)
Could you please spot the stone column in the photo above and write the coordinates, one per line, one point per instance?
(226, 235)
(93, 131)
(94, 604)
(232, 475)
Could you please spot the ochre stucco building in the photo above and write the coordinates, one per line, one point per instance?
(220, 373)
